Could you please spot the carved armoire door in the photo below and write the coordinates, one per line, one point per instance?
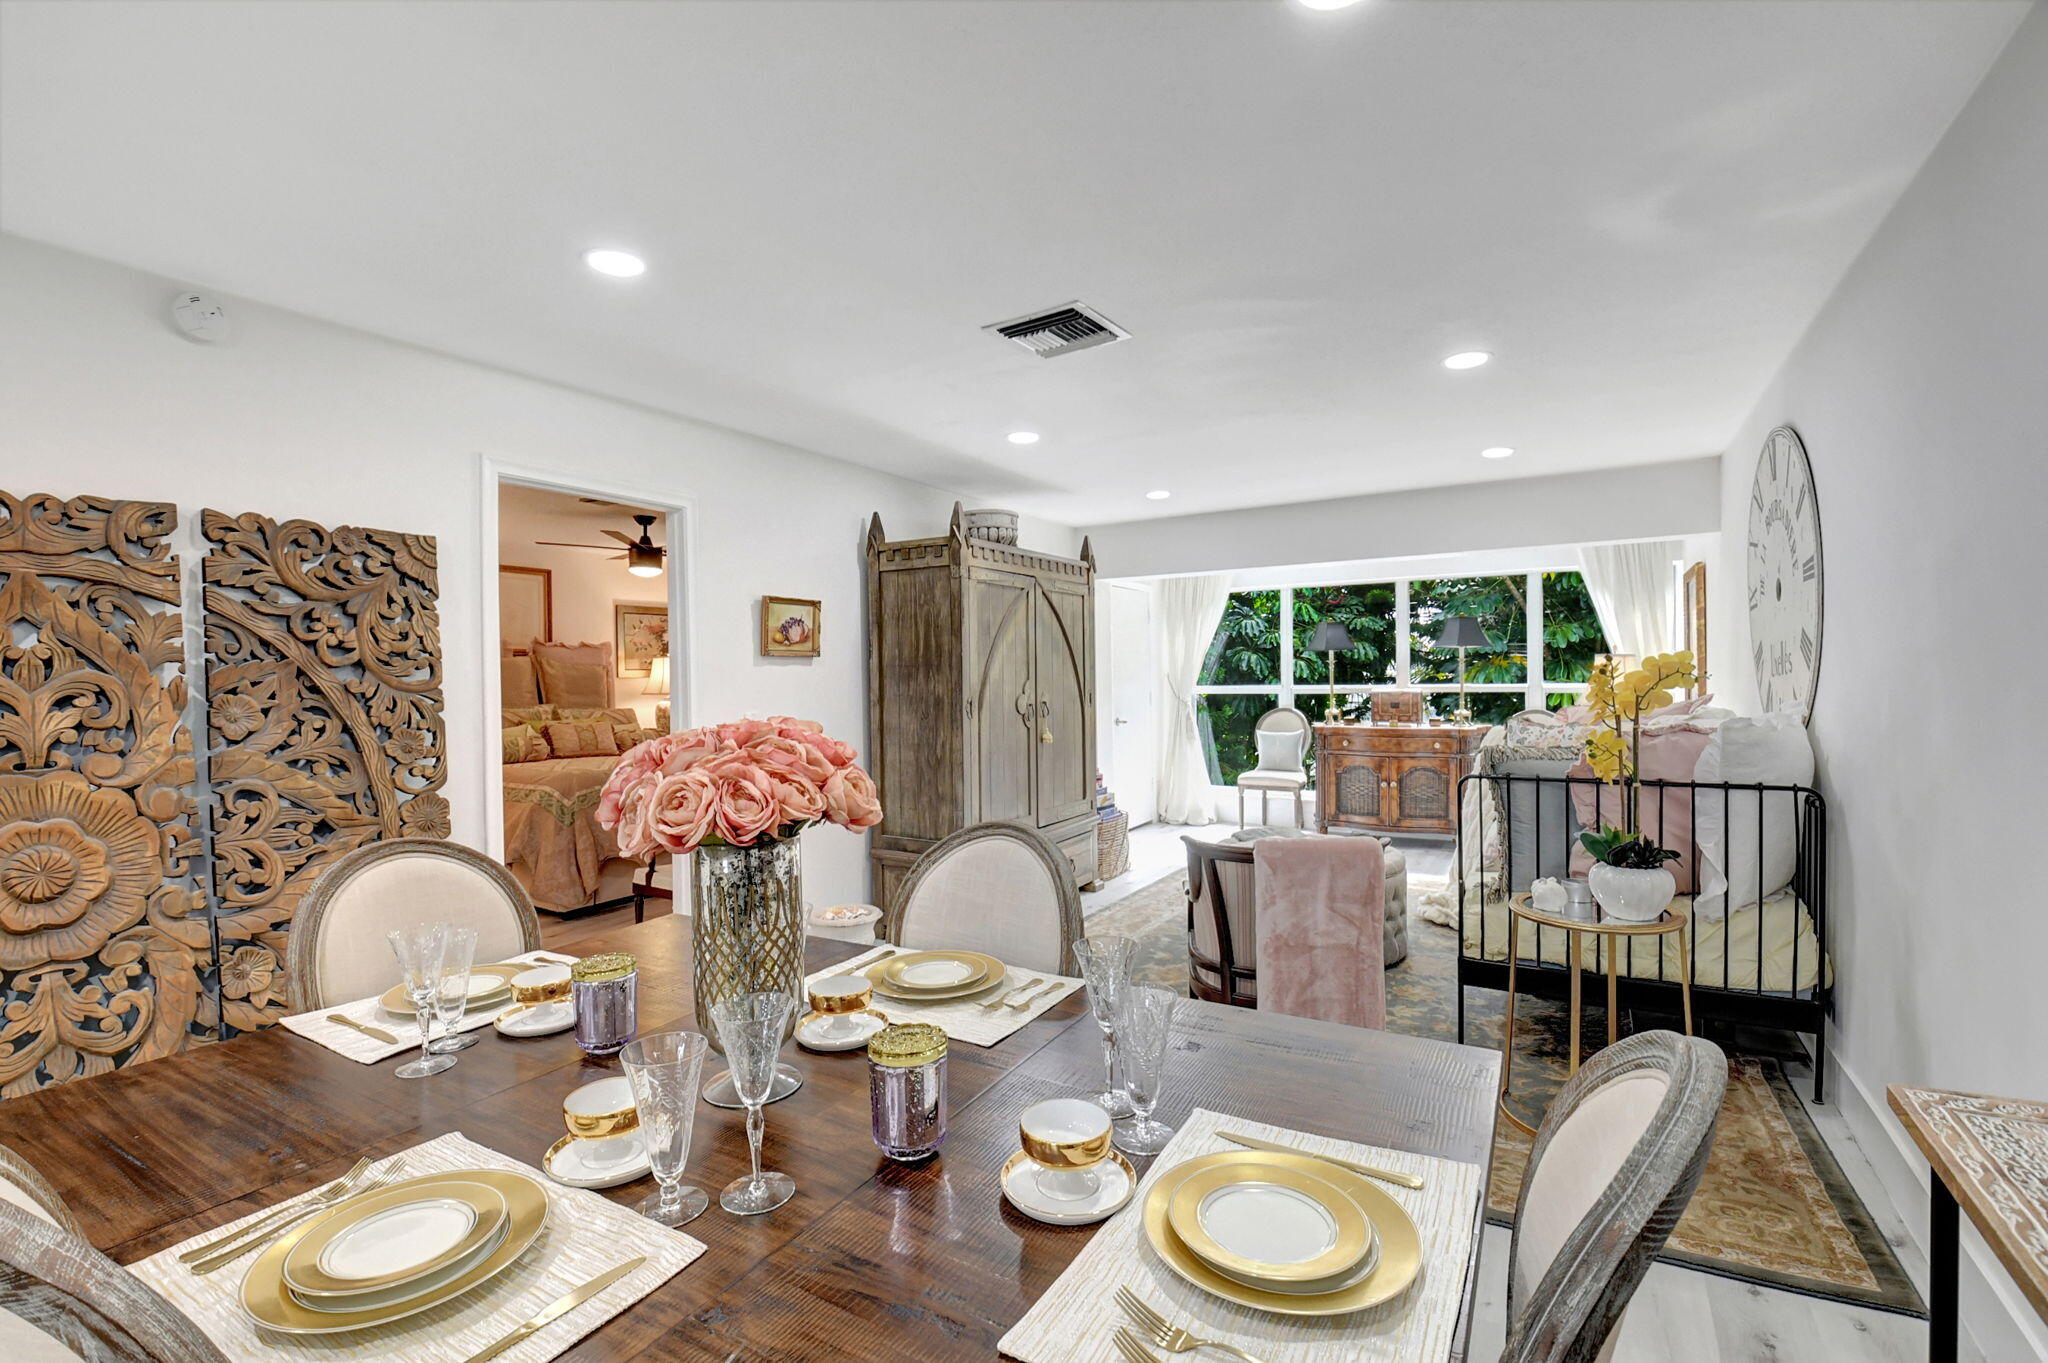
(1003, 694)
(1065, 785)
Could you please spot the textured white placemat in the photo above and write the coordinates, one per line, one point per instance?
(1077, 1318)
(584, 1236)
(367, 1050)
(962, 1020)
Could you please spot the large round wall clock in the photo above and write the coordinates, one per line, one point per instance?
(1784, 576)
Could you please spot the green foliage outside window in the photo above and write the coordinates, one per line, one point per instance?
(1227, 723)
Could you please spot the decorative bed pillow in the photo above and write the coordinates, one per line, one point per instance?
(1279, 750)
(1767, 750)
(568, 738)
(516, 684)
(574, 674)
(532, 716)
(1665, 814)
(525, 745)
(625, 724)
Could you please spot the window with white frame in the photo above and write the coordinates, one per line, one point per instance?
(1542, 638)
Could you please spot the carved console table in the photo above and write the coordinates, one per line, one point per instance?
(1392, 778)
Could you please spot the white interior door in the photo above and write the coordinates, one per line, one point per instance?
(1133, 770)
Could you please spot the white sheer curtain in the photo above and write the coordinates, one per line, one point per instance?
(1634, 593)
(1189, 609)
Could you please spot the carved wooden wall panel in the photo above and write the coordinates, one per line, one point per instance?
(104, 939)
(324, 723)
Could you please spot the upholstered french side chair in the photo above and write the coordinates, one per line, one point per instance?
(1612, 1169)
(1282, 735)
(62, 1301)
(338, 951)
(995, 887)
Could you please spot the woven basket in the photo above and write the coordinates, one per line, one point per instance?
(1113, 846)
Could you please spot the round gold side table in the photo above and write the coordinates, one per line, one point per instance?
(1519, 909)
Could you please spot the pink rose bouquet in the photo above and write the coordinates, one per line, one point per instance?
(746, 782)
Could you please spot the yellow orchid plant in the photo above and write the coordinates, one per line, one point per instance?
(1618, 705)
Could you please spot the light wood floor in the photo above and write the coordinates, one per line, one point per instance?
(1680, 1315)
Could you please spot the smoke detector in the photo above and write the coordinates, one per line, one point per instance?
(1060, 330)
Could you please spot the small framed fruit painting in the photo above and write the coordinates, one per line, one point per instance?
(790, 627)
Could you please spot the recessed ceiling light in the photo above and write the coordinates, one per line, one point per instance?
(1023, 437)
(1327, 4)
(1467, 359)
(1496, 452)
(1157, 494)
(617, 264)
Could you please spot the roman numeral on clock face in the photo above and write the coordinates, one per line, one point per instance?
(1806, 648)
(1809, 567)
(1759, 658)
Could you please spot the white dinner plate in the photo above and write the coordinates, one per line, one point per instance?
(404, 1292)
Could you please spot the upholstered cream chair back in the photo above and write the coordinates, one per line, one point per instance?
(1610, 1173)
(995, 887)
(338, 949)
(62, 1301)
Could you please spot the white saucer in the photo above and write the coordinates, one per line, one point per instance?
(1020, 1189)
(568, 1161)
(815, 1034)
(541, 1020)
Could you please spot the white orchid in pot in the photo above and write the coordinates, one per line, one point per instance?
(1628, 876)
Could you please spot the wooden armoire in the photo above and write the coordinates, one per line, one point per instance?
(981, 695)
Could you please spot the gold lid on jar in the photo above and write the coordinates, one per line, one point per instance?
(906, 1045)
(612, 965)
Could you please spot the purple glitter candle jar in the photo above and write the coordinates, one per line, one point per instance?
(607, 1010)
(907, 1090)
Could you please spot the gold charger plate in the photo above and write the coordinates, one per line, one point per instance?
(396, 1000)
(267, 1302)
(992, 973)
(304, 1275)
(1400, 1244)
(1350, 1235)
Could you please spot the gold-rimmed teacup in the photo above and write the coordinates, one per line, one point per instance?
(542, 984)
(838, 998)
(1066, 1138)
(601, 1109)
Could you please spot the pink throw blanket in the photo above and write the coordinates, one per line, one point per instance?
(1321, 944)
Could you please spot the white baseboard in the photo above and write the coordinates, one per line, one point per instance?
(1996, 1319)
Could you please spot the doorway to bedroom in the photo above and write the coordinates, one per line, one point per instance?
(588, 594)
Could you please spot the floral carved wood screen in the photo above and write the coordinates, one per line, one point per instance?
(324, 723)
(104, 937)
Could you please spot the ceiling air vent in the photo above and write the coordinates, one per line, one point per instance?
(1060, 330)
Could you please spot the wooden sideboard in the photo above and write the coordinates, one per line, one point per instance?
(1392, 778)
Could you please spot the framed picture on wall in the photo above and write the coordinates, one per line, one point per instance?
(526, 607)
(790, 627)
(1695, 611)
(639, 636)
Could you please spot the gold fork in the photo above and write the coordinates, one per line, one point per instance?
(321, 1196)
(1170, 1337)
(1003, 999)
(1033, 995)
(223, 1257)
(1127, 1344)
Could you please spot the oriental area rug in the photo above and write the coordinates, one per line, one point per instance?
(1773, 1206)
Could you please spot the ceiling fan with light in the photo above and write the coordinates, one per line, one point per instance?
(643, 556)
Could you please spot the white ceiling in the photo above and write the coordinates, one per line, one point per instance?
(1637, 206)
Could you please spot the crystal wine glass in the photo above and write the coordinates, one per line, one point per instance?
(750, 1028)
(421, 950)
(452, 998)
(1143, 1026)
(664, 1069)
(1106, 966)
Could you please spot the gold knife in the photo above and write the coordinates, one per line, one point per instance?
(1384, 1175)
(568, 1302)
(374, 1033)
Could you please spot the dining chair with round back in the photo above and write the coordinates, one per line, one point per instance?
(995, 887)
(1612, 1169)
(1282, 735)
(62, 1301)
(337, 950)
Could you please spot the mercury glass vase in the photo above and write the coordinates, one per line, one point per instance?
(748, 933)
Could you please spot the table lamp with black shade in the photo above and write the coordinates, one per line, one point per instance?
(1462, 632)
(1330, 639)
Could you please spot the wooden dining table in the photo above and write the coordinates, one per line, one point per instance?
(871, 1260)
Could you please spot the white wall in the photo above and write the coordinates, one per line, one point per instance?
(1920, 396)
(301, 418)
(1652, 501)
